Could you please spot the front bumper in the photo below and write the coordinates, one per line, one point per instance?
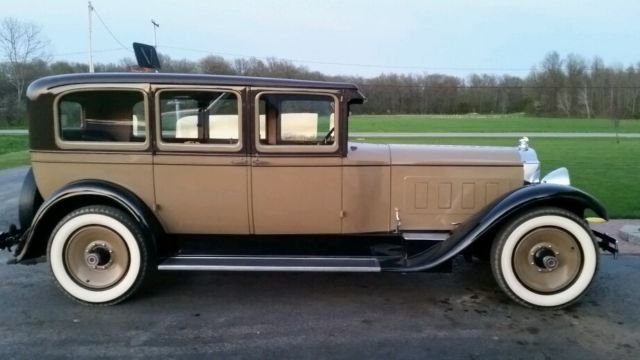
(606, 243)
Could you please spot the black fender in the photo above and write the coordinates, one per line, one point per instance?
(29, 201)
(494, 215)
(75, 195)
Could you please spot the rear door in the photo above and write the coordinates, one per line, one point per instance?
(200, 168)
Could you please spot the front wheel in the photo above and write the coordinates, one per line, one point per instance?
(545, 258)
(99, 255)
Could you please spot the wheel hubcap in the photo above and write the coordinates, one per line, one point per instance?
(96, 257)
(547, 260)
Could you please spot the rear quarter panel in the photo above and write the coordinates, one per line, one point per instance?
(53, 170)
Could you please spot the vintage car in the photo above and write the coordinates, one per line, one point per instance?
(137, 172)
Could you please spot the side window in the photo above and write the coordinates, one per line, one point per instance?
(102, 116)
(199, 117)
(296, 119)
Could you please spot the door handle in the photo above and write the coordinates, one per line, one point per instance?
(239, 162)
(258, 162)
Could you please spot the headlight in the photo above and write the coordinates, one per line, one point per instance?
(558, 176)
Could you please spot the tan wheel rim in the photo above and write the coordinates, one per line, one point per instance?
(96, 257)
(547, 260)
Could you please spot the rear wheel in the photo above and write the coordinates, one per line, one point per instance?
(99, 255)
(545, 258)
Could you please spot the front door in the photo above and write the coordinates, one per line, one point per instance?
(296, 167)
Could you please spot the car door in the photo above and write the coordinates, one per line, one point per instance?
(201, 167)
(296, 165)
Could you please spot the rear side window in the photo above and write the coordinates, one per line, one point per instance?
(199, 117)
(103, 116)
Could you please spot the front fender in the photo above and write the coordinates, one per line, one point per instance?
(75, 195)
(494, 215)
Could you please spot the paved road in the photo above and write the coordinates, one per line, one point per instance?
(10, 182)
(455, 134)
(270, 315)
(13, 132)
(514, 135)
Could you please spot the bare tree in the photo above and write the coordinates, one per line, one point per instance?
(564, 102)
(212, 64)
(583, 99)
(21, 43)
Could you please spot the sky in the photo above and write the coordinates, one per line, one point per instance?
(347, 37)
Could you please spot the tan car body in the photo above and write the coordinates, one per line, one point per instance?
(356, 188)
(375, 188)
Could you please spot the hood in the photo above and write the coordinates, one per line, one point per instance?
(454, 155)
(367, 154)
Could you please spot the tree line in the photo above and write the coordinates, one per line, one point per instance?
(569, 86)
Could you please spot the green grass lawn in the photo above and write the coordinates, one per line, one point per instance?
(4, 125)
(13, 151)
(606, 169)
(18, 158)
(483, 123)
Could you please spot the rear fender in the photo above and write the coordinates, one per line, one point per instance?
(78, 194)
(29, 201)
(493, 216)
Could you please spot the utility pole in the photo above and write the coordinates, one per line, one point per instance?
(155, 39)
(90, 40)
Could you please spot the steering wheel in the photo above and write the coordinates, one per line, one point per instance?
(328, 136)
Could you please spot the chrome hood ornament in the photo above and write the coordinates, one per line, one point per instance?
(523, 143)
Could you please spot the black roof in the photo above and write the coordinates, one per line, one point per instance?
(50, 82)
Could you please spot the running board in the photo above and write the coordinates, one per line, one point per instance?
(433, 236)
(271, 263)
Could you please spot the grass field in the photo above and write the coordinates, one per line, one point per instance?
(608, 170)
(484, 123)
(4, 125)
(13, 151)
(14, 159)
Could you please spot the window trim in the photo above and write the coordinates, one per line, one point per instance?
(297, 149)
(226, 148)
(100, 145)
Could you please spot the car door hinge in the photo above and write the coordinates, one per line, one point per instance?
(342, 214)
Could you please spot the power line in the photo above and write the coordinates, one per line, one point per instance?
(408, 67)
(86, 51)
(109, 30)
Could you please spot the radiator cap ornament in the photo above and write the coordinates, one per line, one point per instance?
(523, 143)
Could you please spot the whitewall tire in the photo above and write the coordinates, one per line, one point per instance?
(99, 255)
(545, 258)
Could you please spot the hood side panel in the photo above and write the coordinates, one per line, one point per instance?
(367, 154)
(440, 197)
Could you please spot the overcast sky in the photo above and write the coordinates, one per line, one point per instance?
(349, 36)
